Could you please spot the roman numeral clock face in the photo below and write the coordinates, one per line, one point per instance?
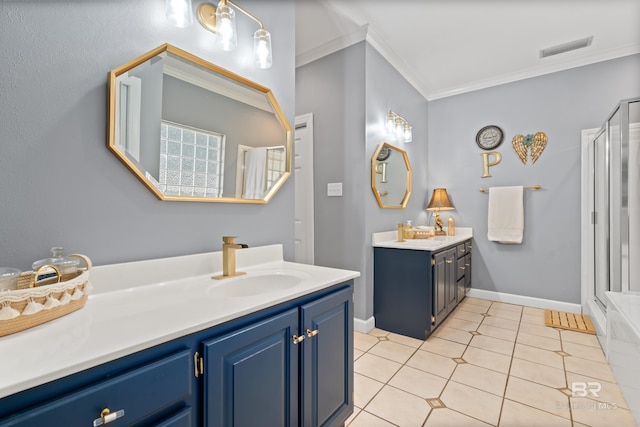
(489, 137)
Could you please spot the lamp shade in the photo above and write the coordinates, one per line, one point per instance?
(440, 201)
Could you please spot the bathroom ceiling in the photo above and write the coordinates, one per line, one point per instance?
(445, 47)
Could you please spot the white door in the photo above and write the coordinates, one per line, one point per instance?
(303, 177)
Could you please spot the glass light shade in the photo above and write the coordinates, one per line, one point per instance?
(399, 128)
(408, 134)
(390, 124)
(440, 201)
(226, 37)
(262, 49)
(178, 13)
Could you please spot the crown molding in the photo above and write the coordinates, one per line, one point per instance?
(331, 46)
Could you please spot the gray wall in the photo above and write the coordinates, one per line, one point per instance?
(59, 185)
(547, 263)
(350, 93)
(444, 153)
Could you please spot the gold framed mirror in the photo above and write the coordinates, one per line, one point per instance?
(192, 131)
(391, 176)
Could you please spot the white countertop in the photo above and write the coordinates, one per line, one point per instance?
(135, 306)
(389, 239)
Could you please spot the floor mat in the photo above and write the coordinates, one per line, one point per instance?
(570, 321)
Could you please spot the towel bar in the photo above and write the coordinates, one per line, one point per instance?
(534, 187)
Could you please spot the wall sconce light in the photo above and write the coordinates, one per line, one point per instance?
(439, 202)
(221, 20)
(398, 126)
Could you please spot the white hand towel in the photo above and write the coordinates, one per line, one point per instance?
(506, 215)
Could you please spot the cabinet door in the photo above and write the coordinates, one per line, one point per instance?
(451, 279)
(467, 272)
(440, 287)
(327, 360)
(251, 375)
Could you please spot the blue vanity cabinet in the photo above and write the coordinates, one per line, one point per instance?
(286, 365)
(292, 369)
(415, 290)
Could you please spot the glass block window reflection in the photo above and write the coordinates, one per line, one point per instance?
(275, 165)
(191, 161)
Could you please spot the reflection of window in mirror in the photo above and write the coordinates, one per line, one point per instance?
(191, 161)
(258, 169)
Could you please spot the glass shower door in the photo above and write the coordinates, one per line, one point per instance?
(600, 216)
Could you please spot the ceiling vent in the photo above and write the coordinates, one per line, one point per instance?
(566, 47)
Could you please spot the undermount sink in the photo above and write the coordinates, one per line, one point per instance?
(255, 283)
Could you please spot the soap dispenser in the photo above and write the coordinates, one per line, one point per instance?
(408, 229)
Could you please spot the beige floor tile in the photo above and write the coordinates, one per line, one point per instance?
(543, 331)
(492, 344)
(365, 419)
(482, 378)
(598, 390)
(420, 383)
(467, 315)
(505, 314)
(463, 325)
(538, 355)
(596, 414)
(432, 363)
(357, 353)
(356, 411)
(376, 367)
(443, 347)
(393, 351)
(538, 373)
(445, 417)
(364, 388)
(487, 359)
(472, 402)
(501, 323)
(538, 396)
(532, 319)
(598, 370)
(399, 407)
(495, 332)
(363, 342)
(515, 414)
(377, 332)
(477, 301)
(473, 308)
(507, 306)
(584, 352)
(580, 338)
(533, 311)
(538, 341)
(401, 339)
(462, 337)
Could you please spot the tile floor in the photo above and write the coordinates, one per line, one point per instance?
(488, 364)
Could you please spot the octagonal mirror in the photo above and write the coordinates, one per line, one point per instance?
(192, 131)
(391, 176)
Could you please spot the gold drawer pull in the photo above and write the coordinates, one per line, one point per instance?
(461, 267)
(106, 417)
(449, 261)
(311, 333)
(298, 339)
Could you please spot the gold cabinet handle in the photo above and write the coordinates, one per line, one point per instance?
(106, 417)
(311, 333)
(467, 265)
(449, 261)
(461, 267)
(297, 339)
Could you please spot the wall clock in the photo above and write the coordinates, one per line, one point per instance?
(489, 137)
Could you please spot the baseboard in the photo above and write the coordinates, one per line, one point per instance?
(364, 326)
(524, 300)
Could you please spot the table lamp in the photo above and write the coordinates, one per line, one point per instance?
(439, 202)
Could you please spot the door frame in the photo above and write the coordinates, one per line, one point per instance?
(305, 182)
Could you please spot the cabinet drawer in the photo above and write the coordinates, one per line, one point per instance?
(460, 268)
(460, 250)
(139, 392)
(468, 246)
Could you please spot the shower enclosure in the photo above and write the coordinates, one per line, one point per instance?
(613, 191)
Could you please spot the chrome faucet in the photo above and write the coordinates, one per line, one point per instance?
(229, 247)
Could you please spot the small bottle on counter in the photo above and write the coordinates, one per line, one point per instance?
(451, 227)
(400, 232)
(408, 230)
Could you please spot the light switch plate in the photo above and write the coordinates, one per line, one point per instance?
(334, 189)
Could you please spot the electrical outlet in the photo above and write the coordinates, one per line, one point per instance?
(334, 189)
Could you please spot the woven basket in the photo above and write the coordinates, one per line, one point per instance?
(50, 300)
